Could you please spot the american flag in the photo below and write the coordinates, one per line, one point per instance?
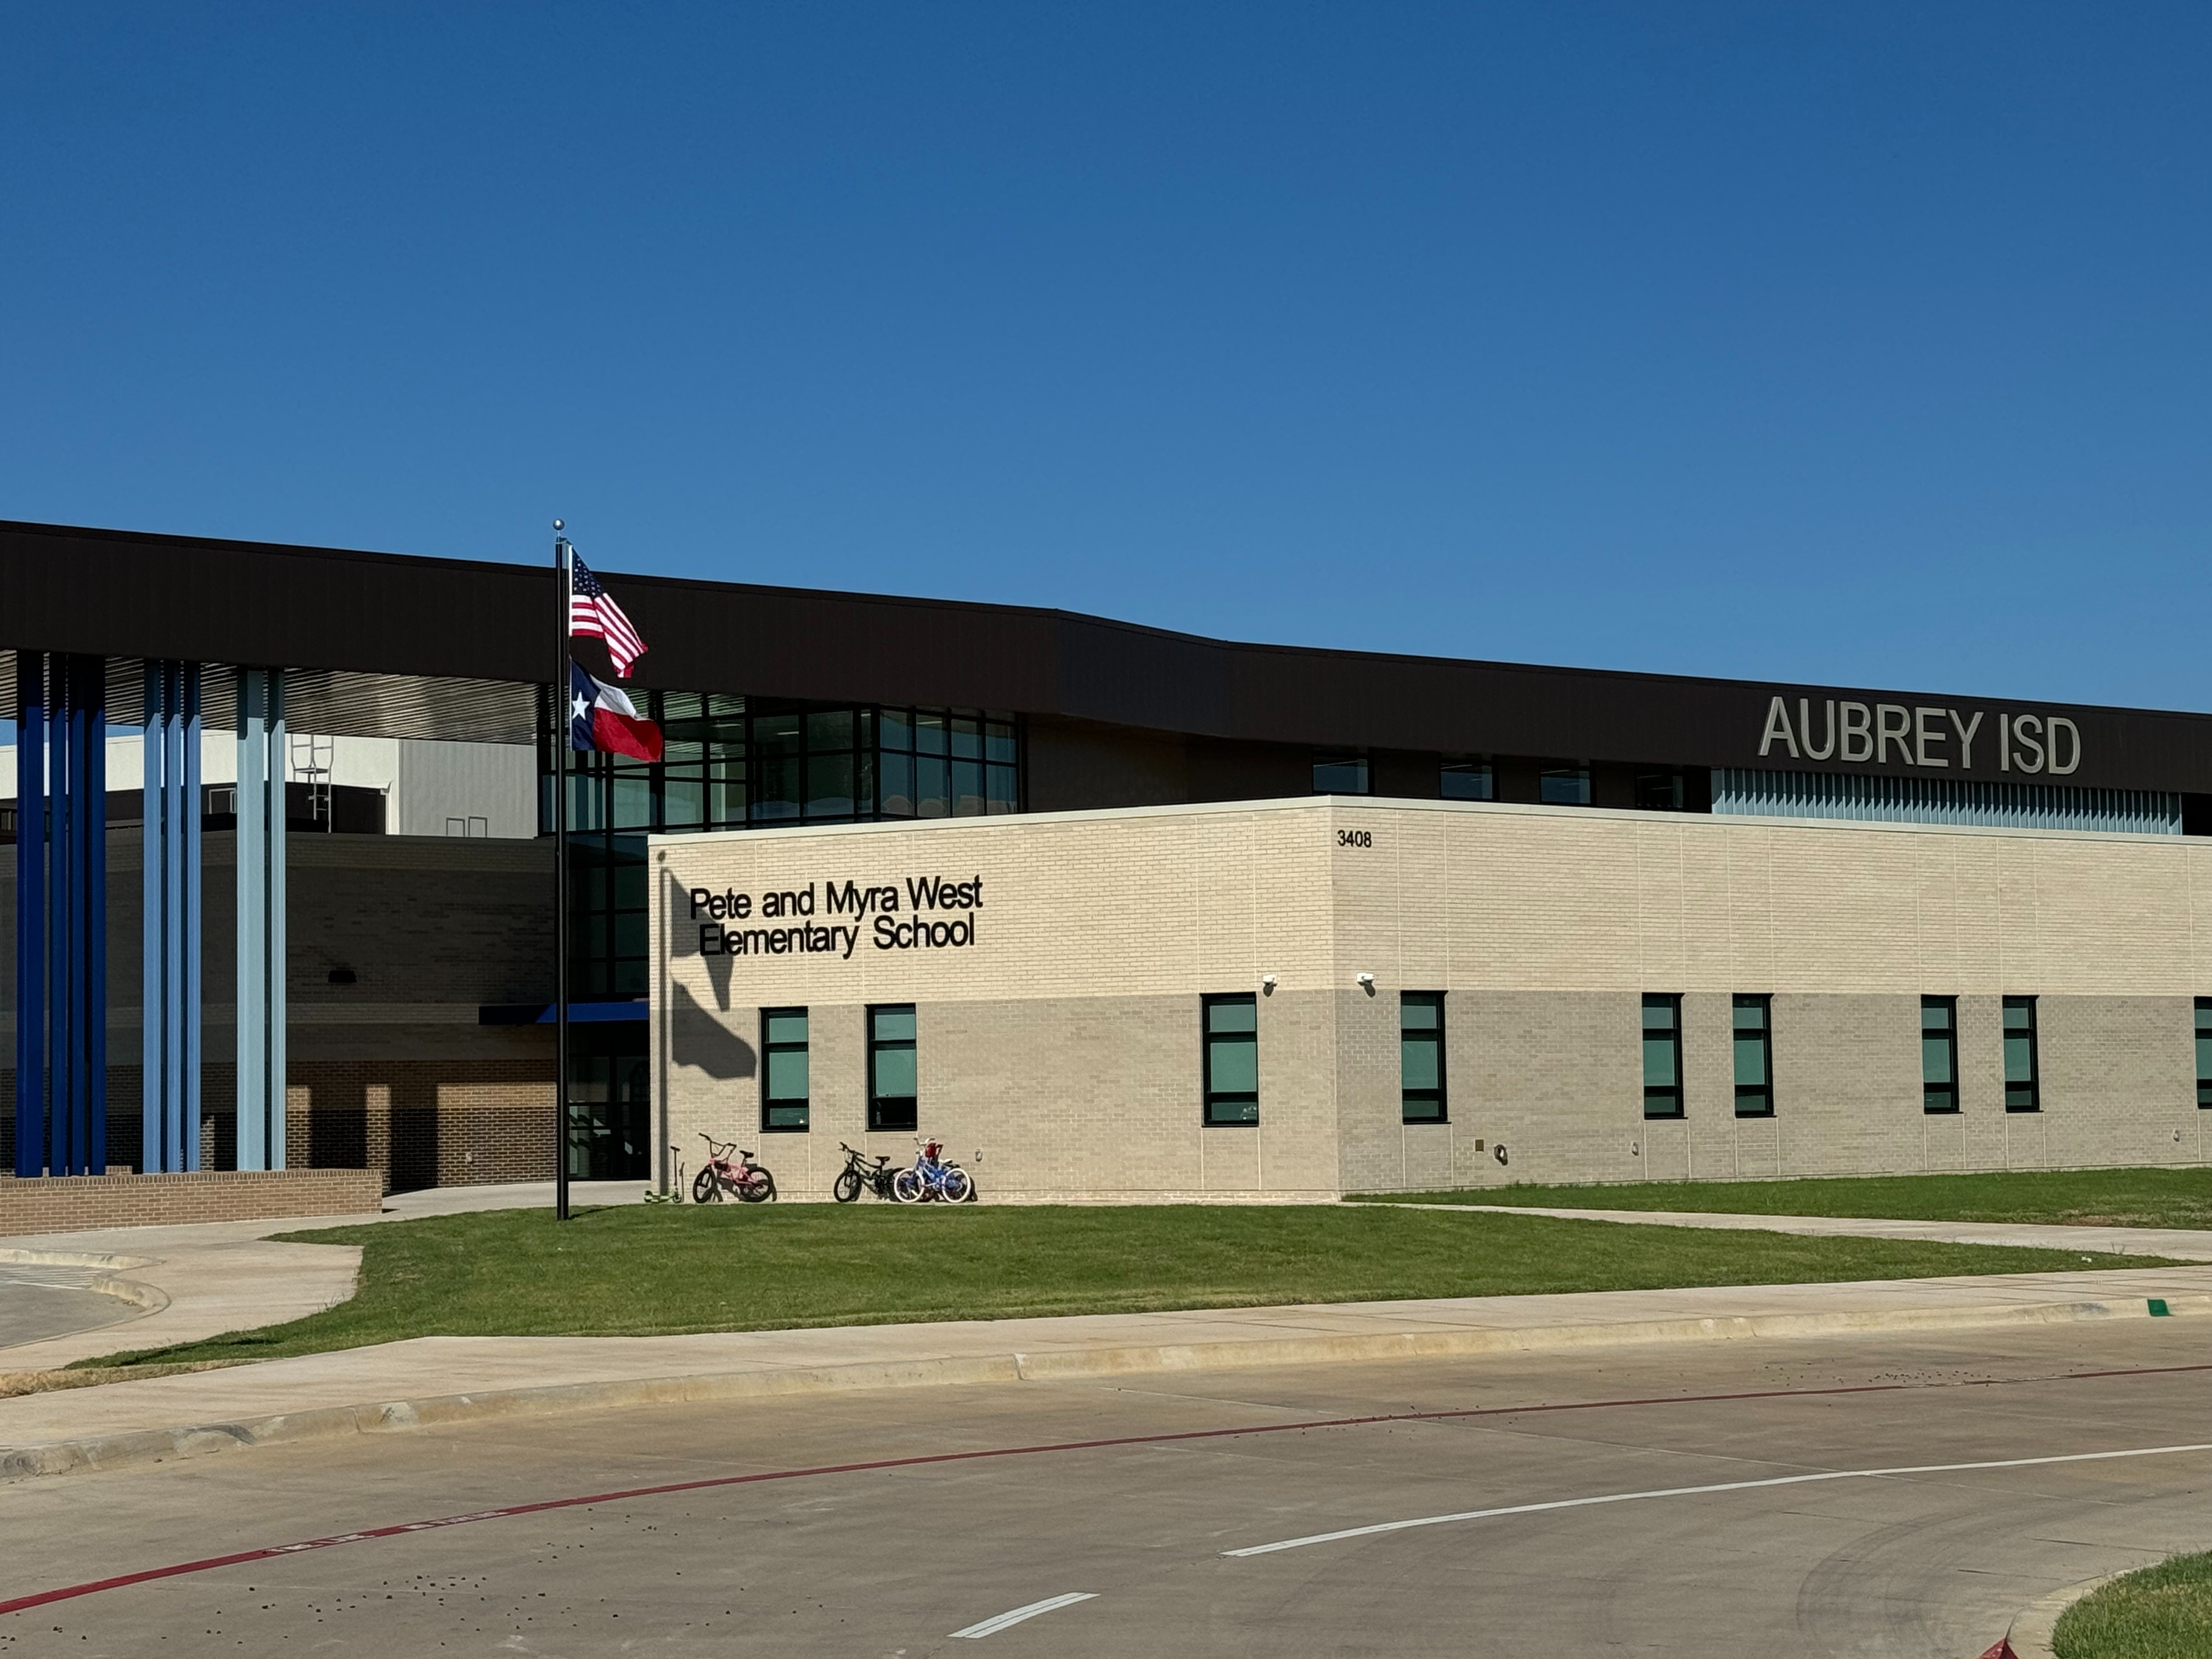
(594, 615)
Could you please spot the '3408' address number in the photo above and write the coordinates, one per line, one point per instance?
(1355, 838)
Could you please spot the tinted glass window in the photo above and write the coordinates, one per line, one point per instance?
(1565, 786)
(1421, 1056)
(1339, 774)
(1939, 1053)
(783, 1070)
(2023, 1088)
(1230, 1034)
(1662, 1054)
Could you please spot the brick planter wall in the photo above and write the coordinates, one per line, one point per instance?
(55, 1204)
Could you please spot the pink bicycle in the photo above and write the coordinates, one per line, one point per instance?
(722, 1174)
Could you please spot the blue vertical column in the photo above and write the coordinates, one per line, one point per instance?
(30, 913)
(76, 772)
(92, 687)
(61, 1044)
(260, 919)
(170, 1044)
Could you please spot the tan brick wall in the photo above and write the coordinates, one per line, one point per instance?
(76, 1203)
(1074, 1096)
(1066, 1042)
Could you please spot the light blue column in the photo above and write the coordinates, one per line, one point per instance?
(260, 919)
(169, 1051)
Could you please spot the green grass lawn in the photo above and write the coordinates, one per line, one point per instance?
(2163, 1612)
(646, 1269)
(2088, 1198)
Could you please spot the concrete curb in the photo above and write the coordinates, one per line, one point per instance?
(2030, 1635)
(148, 1298)
(135, 1448)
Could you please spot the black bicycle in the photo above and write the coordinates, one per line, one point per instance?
(859, 1175)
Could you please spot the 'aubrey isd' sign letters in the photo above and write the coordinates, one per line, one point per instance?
(891, 926)
(1891, 734)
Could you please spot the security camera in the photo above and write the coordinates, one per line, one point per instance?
(1364, 979)
(1267, 983)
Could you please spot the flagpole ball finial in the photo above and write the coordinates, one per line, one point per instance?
(558, 524)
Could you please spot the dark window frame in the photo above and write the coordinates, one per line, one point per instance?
(2203, 1031)
(1579, 770)
(770, 1049)
(884, 1117)
(1940, 1098)
(1411, 1101)
(1657, 1097)
(1332, 759)
(2023, 1096)
(1214, 1102)
(1479, 772)
(1759, 1096)
(1661, 790)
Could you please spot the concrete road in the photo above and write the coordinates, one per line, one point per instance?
(37, 1303)
(793, 1527)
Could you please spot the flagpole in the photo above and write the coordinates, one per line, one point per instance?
(561, 740)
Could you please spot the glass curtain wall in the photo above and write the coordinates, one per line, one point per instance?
(745, 762)
(732, 762)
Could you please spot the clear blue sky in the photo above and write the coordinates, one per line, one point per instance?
(1864, 343)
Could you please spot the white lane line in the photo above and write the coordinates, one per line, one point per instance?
(1691, 1491)
(992, 1626)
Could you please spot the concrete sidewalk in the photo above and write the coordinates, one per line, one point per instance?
(2177, 1243)
(187, 1283)
(200, 1281)
(451, 1379)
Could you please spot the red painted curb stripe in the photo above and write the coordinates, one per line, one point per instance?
(208, 1564)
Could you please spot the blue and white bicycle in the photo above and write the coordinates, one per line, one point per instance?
(933, 1178)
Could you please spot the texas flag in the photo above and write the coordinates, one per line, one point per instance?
(601, 717)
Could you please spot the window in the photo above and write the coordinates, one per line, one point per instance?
(1939, 1053)
(1753, 1022)
(1339, 774)
(2204, 1052)
(1561, 785)
(1468, 779)
(947, 764)
(2023, 1091)
(1662, 1054)
(783, 1071)
(732, 762)
(1421, 1056)
(1232, 1059)
(891, 1068)
(607, 894)
(610, 1108)
(1660, 792)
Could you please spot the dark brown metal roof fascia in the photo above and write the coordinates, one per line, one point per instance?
(131, 594)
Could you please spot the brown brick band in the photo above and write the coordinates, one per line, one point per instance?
(56, 1204)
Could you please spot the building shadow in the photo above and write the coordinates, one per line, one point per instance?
(337, 1125)
(414, 1135)
(697, 1037)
